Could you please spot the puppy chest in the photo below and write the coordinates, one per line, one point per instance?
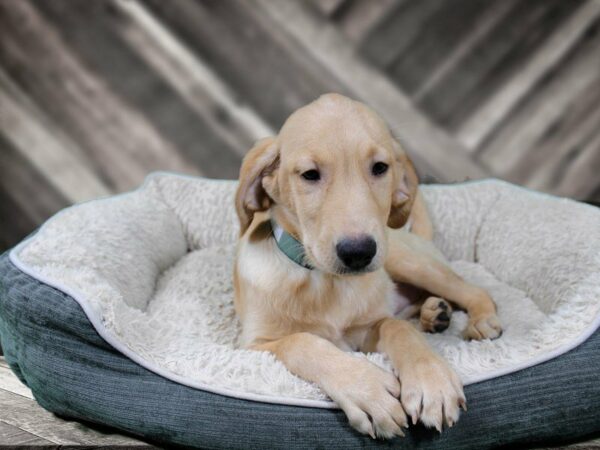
(346, 307)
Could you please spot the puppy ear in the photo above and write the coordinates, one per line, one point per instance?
(251, 197)
(406, 183)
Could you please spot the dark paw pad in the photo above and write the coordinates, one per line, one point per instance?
(435, 315)
(442, 320)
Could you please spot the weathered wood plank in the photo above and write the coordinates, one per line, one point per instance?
(481, 123)
(120, 141)
(493, 60)
(40, 172)
(433, 151)
(13, 436)
(27, 187)
(594, 197)
(192, 78)
(9, 382)
(544, 163)
(505, 150)
(96, 33)
(362, 16)
(582, 176)
(54, 157)
(398, 30)
(494, 13)
(329, 7)
(14, 223)
(260, 64)
(438, 36)
(26, 414)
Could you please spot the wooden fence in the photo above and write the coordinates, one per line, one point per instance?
(95, 94)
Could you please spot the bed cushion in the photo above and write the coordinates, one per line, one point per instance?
(50, 344)
(151, 272)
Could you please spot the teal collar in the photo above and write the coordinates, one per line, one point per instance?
(290, 246)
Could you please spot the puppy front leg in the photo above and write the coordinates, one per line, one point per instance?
(422, 270)
(431, 390)
(359, 387)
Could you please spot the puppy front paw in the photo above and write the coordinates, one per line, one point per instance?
(483, 327)
(369, 397)
(432, 393)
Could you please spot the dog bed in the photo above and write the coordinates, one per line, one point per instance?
(119, 311)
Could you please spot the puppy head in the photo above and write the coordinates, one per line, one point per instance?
(334, 178)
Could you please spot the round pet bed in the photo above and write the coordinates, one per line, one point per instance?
(119, 311)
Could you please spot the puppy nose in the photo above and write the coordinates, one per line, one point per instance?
(356, 253)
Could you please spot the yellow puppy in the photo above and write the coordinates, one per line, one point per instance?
(324, 265)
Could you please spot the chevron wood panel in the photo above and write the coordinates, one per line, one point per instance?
(94, 95)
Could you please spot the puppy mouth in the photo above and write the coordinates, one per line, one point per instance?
(340, 269)
(343, 270)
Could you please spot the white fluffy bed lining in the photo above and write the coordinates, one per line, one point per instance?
(152, 271)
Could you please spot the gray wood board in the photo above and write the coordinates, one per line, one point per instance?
(494, 59)
(14, 436)
(93, 31)
(119, 141)
(9, 381)
(264, 66)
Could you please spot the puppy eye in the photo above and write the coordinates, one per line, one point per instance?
(379, 168)
(311, 175)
